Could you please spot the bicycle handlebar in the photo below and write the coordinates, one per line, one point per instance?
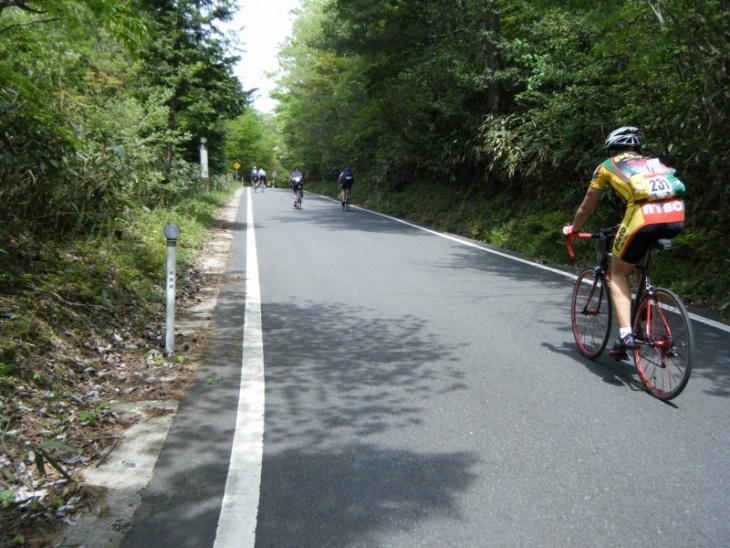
(569, 240)
(602, 234)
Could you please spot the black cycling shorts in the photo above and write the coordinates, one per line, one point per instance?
(347, 184)
(645, 237)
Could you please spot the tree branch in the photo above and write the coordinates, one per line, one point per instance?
(21, 4)
(435, 37)
(658, 12)
(11, 27)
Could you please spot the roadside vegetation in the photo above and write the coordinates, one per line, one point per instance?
(481, 118)
(82, 328)
(103, 104)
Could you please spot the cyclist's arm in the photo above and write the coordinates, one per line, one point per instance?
(586, 208)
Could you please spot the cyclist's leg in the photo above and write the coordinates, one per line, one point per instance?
(346, 192)
(628, 249)
(621, 290)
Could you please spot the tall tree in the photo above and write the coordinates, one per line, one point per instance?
(189, 58)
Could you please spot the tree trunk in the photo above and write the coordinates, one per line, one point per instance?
(170, 130)
(491, 60)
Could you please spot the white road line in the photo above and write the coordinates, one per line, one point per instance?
(695, 317)
(237, 521)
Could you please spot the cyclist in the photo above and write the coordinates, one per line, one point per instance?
(254, 176)
(346, 180)
(296, 179)
(262, 177)
(653, 210)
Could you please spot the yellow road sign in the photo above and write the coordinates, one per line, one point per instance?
(236, 165)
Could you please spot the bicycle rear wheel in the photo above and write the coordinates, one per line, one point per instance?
(590, 313)
(665, 340)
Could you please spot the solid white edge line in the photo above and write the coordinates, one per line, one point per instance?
(239, 511)
(695, 317)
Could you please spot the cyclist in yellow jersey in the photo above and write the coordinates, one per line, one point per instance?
(653, 210)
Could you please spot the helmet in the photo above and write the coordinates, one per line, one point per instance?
(623, 137)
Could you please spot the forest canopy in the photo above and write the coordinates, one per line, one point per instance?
(508, 93)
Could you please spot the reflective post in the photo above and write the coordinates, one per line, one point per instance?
(172, 231)
(203, 158)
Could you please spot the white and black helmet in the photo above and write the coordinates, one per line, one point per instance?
(623, 137)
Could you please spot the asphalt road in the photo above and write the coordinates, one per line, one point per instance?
(425, 391)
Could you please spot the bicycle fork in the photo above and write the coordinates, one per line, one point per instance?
(654, 321)
(597, 273)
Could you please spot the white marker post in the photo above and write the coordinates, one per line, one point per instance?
(172, 231)
(203, 158)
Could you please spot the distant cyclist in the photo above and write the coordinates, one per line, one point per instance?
(346, 180)
(296, 179)
(262, 177)
(653, 210)
(254, 175)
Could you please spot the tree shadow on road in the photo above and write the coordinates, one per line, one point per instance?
(343, 387)
(349, 496)
(333, 370)
(342, 384)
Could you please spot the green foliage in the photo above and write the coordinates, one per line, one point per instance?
(65, 282)
(6, 497)
(254, 139)
(42, 457)
(187, 59)
(86, 133)
(117, 16)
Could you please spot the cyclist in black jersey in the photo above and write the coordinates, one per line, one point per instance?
(296, 179)
(346, 180)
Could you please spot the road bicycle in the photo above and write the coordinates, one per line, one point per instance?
(259, 185)
(346, 201)
(661, 324)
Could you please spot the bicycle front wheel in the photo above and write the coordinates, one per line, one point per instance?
(590, 313)
(663, 356)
